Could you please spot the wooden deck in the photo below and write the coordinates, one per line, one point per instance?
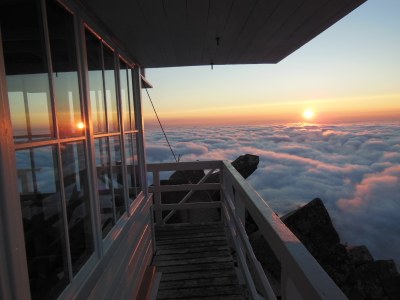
(196, 263)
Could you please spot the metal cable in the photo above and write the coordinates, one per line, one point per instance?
(162, 128)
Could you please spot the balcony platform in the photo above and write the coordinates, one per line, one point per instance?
(196, 262)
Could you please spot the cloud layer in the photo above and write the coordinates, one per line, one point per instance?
(354, 169)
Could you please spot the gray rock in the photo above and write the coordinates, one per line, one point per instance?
(313, 227)
(246, 164)
(359, 255)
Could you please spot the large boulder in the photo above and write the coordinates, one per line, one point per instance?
(313, 227)
(246, 164)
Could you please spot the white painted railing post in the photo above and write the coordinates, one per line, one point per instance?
(221, 193)
(240, 217)
(157, 196)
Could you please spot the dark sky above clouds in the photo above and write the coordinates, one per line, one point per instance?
(354, 169)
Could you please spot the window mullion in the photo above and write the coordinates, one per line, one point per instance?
(64, 210)
(111, 183)
(130, 95)
(27, 115)
(122, 135)
(50, 70)
(137, 89)
(135, 151)
(103, 72)
(89, 145)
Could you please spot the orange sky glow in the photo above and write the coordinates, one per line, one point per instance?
(379, 108)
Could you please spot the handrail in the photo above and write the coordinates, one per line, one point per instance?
(157, 189)
(184, 166)
(301, 278)
(244, 249)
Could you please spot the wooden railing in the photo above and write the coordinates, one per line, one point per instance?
(157, 189)
(301, 275)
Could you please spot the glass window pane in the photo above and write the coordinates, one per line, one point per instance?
(43, 221)
(78, 203)
(104, 185)
(95, 65)
(131, 99)
(131, 165)
(111, 97)
(123, 75)
(65, 76)
(118, 184)
(26, 70)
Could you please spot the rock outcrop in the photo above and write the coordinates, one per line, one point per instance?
(246, 164)
(352, 267)
(313, 226)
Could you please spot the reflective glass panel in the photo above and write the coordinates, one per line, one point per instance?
(104, 185)
(131, 166)
(131, 99)
(111, 97)
(95, 65)
(123, 78)
(26, 70)
(43, 221)
(77, 203)
(65, 76)
(118, 184)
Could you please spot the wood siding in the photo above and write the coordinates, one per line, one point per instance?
(119, 273)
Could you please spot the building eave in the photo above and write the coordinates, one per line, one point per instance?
(196, 32)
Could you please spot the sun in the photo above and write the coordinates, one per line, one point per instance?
(80, 125)
(308, 114)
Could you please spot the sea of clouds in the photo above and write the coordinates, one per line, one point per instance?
(354, 169)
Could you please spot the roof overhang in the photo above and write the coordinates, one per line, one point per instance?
(171, 33)
(145, 83)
